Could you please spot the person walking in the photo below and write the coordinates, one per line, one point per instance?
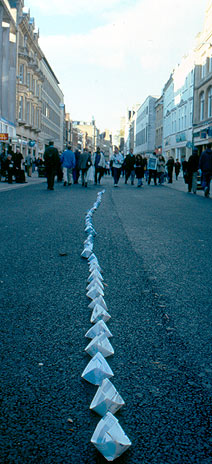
(98, 161)
(170, 167)
(9, 166)
(192, 168)
(117, 161)
(128, 165)
(84, 164)
(68, 163)
(161, 169)
(177, 167)
(152, 168)
(51, 158)
(19, 173)
(28, 162)
(205, 164)
(139, 169)
(76, 171)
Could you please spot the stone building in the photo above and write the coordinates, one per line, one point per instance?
(178, 110)
(29, 84)
(53, 109)
(145, 127)
(8, 47)
(159, 125)
(202, 118)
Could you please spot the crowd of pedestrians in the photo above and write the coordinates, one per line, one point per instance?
(86, 167)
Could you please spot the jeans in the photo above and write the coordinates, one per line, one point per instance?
(67, 172)
(116, 175)
(206, 180)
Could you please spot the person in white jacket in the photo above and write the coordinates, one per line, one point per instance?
(117, 161)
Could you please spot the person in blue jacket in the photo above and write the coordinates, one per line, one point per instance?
(68, 164)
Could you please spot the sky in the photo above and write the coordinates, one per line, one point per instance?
(111, 54)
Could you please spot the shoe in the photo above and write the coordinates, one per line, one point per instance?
(115, 185)
(52, 188)
(65, 183)
(69, 183)
(132, 183)
(86, 184)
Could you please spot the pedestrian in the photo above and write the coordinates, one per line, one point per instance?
(152, 167)
(192, 168)
(9, 166)
(98, 161)
(128, 165)
(76, 170)
(205, 164)
(161, 169)
(51, 158)
(18, 171)
(177, 167)
(170, 167)
(68, 163)
(139, 169)
(117, 161)
(84, 164)
(28, 163)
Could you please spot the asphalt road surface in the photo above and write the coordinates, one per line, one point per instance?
(154, 245)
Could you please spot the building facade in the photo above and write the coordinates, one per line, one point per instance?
(8, 56)
(29, 85)
(159, 125)
(53, 109)
(202, 119)
(178, 95)
(145, 127)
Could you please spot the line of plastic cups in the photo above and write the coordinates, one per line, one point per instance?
(109, 437)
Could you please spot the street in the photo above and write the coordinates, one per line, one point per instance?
(154, 246)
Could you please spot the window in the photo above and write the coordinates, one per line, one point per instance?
(21, 74)
(20, 109)
(191, 113)
(210, 102)
(28, 112)
(28, 80)
(203, 70)
(33, 116)
(185, 117)
(202, 106)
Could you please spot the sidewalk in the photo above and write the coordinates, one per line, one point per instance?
(33, 180)
(181, 186)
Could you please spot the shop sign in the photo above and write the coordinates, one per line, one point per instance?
(4, 136)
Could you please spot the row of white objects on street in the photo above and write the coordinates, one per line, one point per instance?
(109, 437)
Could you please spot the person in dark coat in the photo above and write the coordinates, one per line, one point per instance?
(84, 164)
(9, 166)
(51, 158)
(19, 173)
(129, 168)
(205, 164)
(76, 170)
(177, 167)
(192, 168)
(139, 169)
(170, 167)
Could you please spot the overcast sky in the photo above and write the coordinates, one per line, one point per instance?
(111, 54)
